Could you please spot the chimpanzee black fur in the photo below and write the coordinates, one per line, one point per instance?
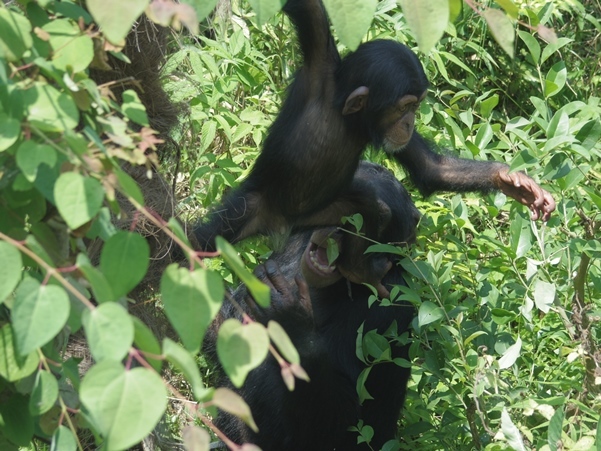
(333, 110)
(317, 415)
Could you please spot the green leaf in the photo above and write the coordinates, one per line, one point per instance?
(15, 35)
(100, 286)
(44, 393)
(511, 355)
(266, 8)
(589, 134)
(10, 129)
(124, 261)
(12, 366)
(202, 7)
(544, 295)
(427, 20)
(196, 438)
(259, 291)
(30, 155)
(510, 8)
(555, 427)
(133, 108)
(532, 44)
(49, 109)
(72, 51)
(332, 251)
(63, 440)
(129, 186)
(146, 342)
(511, 432)
(11, 264)
(78, 198)
(241, 348)
(233, 403)
(556, 79)
(428, 313)
(116, 17)
(281, 339)
(185, 363)
(351, 19)
(501, 28)
(521, 236)
(124, 405)
(18, 424)
(109, 330)
(192, 300)
(39, 313)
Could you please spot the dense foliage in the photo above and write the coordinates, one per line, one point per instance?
(505, 346)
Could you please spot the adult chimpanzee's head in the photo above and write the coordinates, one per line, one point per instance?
(398, 221)
(382, 83)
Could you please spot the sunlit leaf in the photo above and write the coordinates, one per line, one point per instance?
(511, 432)
(10, 129)
(281, 339)
(429, 313)
(351, 19)
(109, 330)
(196, 438)
(11, 264)
(124, 405)
(184, 362)
(264, 9)
(12, 366)
(44, 393)
(116, 17)
(15, 35)
(259, 291)
(72, 50)
(124, 261)
(501, 28)
(78, 198)
(232, 403)
(241, 348)
(555, 428)
(39, 313)
(427, 20)
(511, 354)
(63, 440)
(192, 300)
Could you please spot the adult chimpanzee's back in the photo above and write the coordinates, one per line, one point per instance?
(323, 322)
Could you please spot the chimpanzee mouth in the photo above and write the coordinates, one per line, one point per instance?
(316, 258)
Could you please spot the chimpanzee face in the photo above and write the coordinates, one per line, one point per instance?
(398, 122)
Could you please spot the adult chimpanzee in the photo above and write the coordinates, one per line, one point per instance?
(322, 317)
(334, 108)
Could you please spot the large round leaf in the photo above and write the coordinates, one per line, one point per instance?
(124, 405)
(191, 299)
(70, 48)
(12, 366)
(78, 198)
(15, 35)
(50, 110)
(241, 348)
(39, 313)
(124, 261)
(116, 17)
(110, 331)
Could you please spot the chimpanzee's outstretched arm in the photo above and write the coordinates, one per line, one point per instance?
(434, 172)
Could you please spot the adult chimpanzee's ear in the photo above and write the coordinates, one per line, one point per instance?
(385, 215)
(356, 101)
